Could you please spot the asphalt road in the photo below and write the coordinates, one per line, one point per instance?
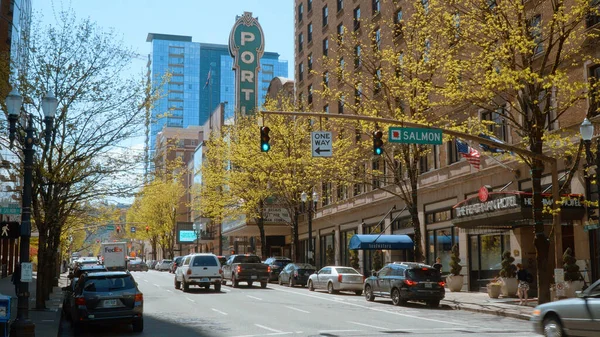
(282, 311)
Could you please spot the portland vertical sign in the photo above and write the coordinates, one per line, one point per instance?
(246, 46)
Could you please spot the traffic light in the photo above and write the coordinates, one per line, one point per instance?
(377, 143)
(147, 229)
(118, 229)
(264, 139)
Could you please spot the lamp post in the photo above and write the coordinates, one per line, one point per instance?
(587, 131)
(312, 207)
(23, 326)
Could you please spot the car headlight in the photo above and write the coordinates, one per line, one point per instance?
(536, 312)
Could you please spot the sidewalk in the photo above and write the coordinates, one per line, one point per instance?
(47, 322)
(482, 303)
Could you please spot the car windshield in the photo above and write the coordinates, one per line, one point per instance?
(167, 261)
(346, 271)
(205, 261)
(281, 263)
(247, 259)
(424, 274)
(109, 283)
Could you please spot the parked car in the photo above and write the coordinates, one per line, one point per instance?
(406, 281)
(337, 278)
(176, 262)
(137, 265)
(570, 317)
(296, 274)
(74, 277)
(164, 265)
(277, 264)
(106, 298)
(200, 270)
(245, 268)
(222, 259)
(85, 260)
(152, 264)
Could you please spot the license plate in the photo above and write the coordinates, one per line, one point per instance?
(110, 303)
(253, 277)
(204, 279)
(428, 285)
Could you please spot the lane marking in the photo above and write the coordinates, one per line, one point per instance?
(369, 325)
(219, 311)
(169, 290)
(189, 299)
(146, 281)
(225, 290)
(371, 308)
(304, 311)
(256, 298)
(157, 285)
(332, 331)
(269, 329)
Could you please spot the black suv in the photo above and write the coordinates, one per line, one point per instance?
(277, 263)
(406, 281)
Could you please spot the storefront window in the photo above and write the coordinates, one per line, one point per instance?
(474, 253)
(491, 252)
(430, 247)
(443, 247)
(345, 242)
(327, 254)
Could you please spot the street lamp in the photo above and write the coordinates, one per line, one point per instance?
(587, 131)
(23, 326)
(312, 207)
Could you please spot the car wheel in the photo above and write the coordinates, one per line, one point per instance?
(553, 327)
(369, 294)
(138, 325)
(207, 287)
(396, 296)
(250, 284)
(235, 283)
(358, 292)
(177, 284)
(310, 286)
(330, 288)
(218, 287)
(263, 285)
(223, 282)
(434, 303)
(186, 286)
(291, 283)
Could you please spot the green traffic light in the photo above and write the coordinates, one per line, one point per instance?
(265, 147)
(378, 151)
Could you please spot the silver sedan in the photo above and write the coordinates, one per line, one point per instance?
(337, 278)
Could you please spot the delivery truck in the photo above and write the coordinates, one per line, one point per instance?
(114, 255)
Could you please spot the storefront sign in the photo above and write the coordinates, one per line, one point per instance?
(495, 202)
(276, 214)
(566, 201)
(246, 46)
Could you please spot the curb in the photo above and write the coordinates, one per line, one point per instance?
(479, 309)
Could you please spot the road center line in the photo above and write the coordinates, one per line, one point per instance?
(256, 298)
(219, 311)
(369, 325)
(269, 329)
(371, 308)
(157, 285)
(304, 311)
(189, 299)
(169, 290)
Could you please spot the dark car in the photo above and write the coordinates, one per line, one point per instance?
(406, 281)
(222, 259)
(296, 274)
(176, 263)
(137, 265)
(74, 276)
(107, 298)
(277, 264)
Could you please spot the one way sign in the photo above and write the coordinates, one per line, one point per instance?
(321, 144)
(9, 230)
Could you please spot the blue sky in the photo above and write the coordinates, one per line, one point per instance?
(205, 20)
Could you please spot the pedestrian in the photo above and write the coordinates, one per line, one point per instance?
(438, 264)
(523, 278)
(16, 278)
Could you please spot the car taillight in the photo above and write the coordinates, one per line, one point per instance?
(410, 283)
(189, 272)
(364, 278)
(239, 269)
(80, 301)
(442, 284)
(139, 297)
(339, 278)
(221, 271)
(268, 269)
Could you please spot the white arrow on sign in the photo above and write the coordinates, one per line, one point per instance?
(322, 144)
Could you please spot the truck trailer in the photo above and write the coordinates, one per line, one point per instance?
(114, 255)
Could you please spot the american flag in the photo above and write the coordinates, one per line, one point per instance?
(469, 153)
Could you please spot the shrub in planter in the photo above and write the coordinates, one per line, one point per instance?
(354, 259)
(573, 279)
(377, 260)
(494, 288)
(507, 275)
(455, 279)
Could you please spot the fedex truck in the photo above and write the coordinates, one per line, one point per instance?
(114, 255)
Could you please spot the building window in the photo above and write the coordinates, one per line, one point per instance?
(356, 19)
(340, 5)
(341, 68)
(310, 94)
(499, 126)
(301, 100)
(452, 152)
(326, 189)
(423, 163)
(425, 4)
(357, 93)
(376, 173)
(594, 78)
(357, 56)
(358, 176)
(536, 34)
(377, 82)
(593, 18)
(377, 38)
(309, 31)
(325, 46)
(340, 33)
(326, 108)
(300, 42)
(436, 156)
(300, 12)
(325, 15)
(309, 60)
(309, 5)
(439, 244)
(376, 7)
(325, 79)
(398, 22)
(341, 105)
(301, 72)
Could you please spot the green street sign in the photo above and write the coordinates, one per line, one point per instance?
(10, 210)
(110, 227)
(415, 136)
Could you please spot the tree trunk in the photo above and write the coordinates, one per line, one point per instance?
(154, 247)
(40, 301)
(414, 212)
(541, 242)
(261, 227)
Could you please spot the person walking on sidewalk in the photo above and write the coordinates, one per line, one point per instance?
(438, 264)
(524, 278)
(16, 278)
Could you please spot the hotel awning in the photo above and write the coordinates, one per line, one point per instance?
(377, 241)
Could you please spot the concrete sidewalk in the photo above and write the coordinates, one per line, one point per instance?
(482, 303)
(47, 322)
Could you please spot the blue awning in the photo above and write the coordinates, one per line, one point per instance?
(383, 241)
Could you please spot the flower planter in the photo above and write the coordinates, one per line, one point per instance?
(454, 282)
(494, 290)
(571, 287)
(509, 286)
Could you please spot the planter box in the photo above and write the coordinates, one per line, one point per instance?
(494, 290)
(571, 287)
(509, 286)
(454, 282)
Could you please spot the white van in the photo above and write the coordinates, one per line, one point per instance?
(199, 269)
